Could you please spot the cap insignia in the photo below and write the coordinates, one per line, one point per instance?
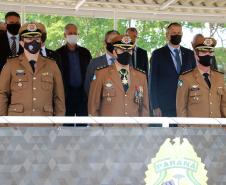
(126, 40)
(31, 27)
(208, 42)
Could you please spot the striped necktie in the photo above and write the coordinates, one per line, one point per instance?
(177, 58)
(13, 46)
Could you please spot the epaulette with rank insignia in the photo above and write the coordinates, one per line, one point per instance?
(102, 67)
(51, 58)
(142, 71)
(185, 72)
(218, 71)
(10, 57)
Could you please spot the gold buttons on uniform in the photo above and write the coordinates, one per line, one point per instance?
(126, 113)
(125, 94)
(211, 103)
(33, 110)
(34, 99)
(34, 78)
(211, 112)
(34, 88)
(126, 104)
(20, 84)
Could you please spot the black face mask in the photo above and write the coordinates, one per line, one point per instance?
(124, 58)
(13, 28)
(109, 47)
(32, 47)
(175, 39)
(205, 60)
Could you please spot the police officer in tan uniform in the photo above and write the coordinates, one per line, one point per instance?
(119, 89)
(201, 91)
(31, 85)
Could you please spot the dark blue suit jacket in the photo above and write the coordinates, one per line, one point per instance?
(164, 77)
(93, 65)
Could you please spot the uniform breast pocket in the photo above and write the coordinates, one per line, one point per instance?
(194, 97)
(47, 82)
(108, 95)
(19, 83)
(220, 91)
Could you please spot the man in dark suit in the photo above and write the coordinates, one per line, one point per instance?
(140, 56)
(106, 59)
(167, 63)
(9, 39)
(74, 60)
(48, 52)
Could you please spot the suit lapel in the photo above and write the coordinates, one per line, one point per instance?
(184, 59)
(40, 63)
(103, 60)
(215, 84)
(199, 78)
(132, 82)
(24, 62)
(170, 61)
(115, 77)
(8, 45)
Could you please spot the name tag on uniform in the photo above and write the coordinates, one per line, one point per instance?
(20, 72)
(195, 88)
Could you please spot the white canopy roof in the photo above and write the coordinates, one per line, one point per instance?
(172, 10)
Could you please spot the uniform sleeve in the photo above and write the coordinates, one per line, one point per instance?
(145, 111)
(223, 103)
(89, 76)
(58, 94)
(94, 100)
(182, 98)
(5, 81)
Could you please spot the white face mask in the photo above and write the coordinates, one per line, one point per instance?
(72, 39)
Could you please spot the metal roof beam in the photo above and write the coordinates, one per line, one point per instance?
(166, 4)
(79, 4)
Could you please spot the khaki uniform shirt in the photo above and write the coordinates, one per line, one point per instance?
(24, 93)
(108, 98)
(195, 99)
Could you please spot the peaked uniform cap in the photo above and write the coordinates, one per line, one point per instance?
(30, 30)
(205, 44)
(123, 42)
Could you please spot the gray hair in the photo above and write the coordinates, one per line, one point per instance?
(69, 25)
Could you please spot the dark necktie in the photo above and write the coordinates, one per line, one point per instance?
(177, 58)
(135, 57)
(124, 79)
(206, 78)
(13, 46)
(32, 63)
